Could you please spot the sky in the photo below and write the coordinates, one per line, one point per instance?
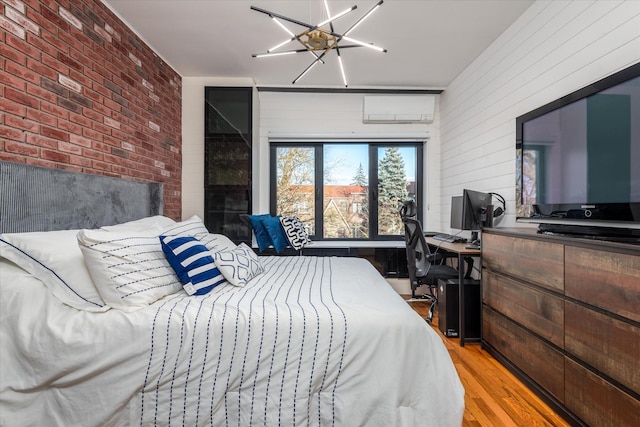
(344, 159)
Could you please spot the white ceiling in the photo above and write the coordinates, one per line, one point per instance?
(428, 42)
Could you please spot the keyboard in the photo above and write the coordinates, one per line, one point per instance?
(449, 238)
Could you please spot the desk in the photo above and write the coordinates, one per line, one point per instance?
(461, 250)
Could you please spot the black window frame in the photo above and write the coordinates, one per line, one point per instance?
(372, 188)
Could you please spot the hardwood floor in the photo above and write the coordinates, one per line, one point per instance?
(494, 397)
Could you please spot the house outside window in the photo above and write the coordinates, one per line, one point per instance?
(346, 190)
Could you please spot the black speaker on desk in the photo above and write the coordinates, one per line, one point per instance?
(448, 314)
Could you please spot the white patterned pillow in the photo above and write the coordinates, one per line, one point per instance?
(238, 265)
(295, 232)
(130, 270)
(193, 263)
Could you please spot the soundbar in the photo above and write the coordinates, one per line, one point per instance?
(614, 234)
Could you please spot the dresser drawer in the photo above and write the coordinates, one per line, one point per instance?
(596, 401)
(537, 359)
(530, 260)
(608, 280)
(566, 312)
(607, 344)
(538, 311)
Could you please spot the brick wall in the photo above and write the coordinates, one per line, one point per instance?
(80, 91)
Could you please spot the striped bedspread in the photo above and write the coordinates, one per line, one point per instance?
(267, 354)
(310, 342)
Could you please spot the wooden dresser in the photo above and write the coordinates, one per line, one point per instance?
(564, 315)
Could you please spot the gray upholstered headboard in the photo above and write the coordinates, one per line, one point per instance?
(33, 198)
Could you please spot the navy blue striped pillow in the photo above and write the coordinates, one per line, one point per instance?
(193, 264)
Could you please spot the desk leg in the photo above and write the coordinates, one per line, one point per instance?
(461, 323)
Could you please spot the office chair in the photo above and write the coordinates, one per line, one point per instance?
(425, 267)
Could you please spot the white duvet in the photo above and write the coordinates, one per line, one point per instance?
(310, 342)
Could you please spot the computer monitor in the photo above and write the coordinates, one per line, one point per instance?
(471, 211)
(456, 213)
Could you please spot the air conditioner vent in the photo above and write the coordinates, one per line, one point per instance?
(398, 109)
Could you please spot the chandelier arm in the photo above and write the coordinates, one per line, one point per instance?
(326, 8)
(344, 75)
(279, 45)
(309, 67)
(337, 47)
(330, 20)
(316, 56)
(295, 21)
(365, 16)
(284, 27)
(304, 72)
(287, 52)
(348, 46)
(364, 44)
(282, 52)
(288, 31)
(274, 50)
(279, 53)
(303, 24)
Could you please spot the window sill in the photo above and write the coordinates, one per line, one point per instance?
(329, 244)
(356, 244)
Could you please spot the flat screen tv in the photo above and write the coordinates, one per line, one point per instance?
(578, 161)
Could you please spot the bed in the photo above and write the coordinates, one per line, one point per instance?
(314, 341)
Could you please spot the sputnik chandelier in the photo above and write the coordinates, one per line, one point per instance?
(318, 40)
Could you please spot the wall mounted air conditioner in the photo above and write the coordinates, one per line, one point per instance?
(398, 108)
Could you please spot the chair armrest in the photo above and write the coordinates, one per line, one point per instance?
(437, 257)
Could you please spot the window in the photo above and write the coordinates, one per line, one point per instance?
(346, 190)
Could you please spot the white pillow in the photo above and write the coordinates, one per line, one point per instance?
(150, 224)
(129, 269)
(55, 258)
(190, 227)
(238, 265)
(217, 242)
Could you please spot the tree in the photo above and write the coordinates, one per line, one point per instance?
(392, 191)
(295, 183)
(362, 224)
(360, 178)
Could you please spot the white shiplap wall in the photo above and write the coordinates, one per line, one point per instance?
(327, 114)
(553, 49)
